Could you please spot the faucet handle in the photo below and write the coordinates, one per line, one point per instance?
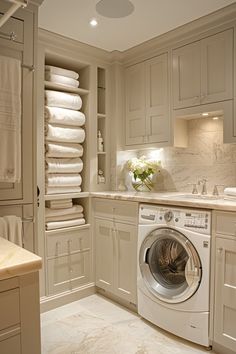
(194, 190)
(215, 189)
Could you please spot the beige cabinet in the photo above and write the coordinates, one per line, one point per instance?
(203, 71)
(225, 281)
(146, 95)
(116, 248)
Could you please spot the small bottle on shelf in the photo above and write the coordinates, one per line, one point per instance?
(101, 178)
(100, 142)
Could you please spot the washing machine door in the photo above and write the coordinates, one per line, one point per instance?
(170, 265)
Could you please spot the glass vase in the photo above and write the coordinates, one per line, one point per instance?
(145, 185)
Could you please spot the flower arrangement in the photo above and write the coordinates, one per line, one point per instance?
(142, 170)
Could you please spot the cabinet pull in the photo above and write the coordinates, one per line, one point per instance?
(219, 250)
(69, 246)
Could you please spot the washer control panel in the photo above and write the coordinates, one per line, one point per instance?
(191, 219)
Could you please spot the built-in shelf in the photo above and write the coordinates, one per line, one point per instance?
(71, 228)
(59, 87)
(66, 196)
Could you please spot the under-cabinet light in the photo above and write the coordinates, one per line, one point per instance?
(215, 118)
(93, 22)
(205, 114)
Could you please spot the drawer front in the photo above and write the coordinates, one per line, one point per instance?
(9, 308)
(116, 210)
(13, 25)
(68, 272)
(225, 223)
(11, 345)
(64, 243)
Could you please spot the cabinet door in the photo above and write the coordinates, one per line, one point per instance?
(104, 236)
(125, 263)
(217, 67)
(23, 52)
(157, 110)
(11, 345)
(135, 104)
(187, 75)
(225, 293)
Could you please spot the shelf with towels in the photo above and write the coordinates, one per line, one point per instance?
(59, 87)
(64, 229)
(66, 195)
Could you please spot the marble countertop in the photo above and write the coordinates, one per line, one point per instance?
(170, 198)
(15, 261)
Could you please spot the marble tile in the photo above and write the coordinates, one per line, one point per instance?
(96, 325)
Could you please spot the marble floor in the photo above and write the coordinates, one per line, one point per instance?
(96, 325)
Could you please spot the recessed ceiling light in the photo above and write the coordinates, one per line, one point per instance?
(215, 118)
(93, 22)
(205, 114)
(115, 8)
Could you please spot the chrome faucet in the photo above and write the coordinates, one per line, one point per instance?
(203, 183)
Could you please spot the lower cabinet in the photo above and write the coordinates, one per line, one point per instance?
(116, 250)
(225, 281)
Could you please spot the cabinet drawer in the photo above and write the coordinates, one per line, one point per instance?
(63, 243)
(68, 272)
(116, 210)
(225, 223)
(16, 26)
(9, 308)
(11, 345)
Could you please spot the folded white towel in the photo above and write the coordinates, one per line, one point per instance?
(68, 211)
(60, 71)
(64, 165)
(51, 225)
(63, 150)
(59, 204)
(62, 80)
(11, 229)
(230, 191)
(64, 217)
(62, 190)
(64, 116)
(63, 180)
(10, 120)
(63, 99)
(63, 134)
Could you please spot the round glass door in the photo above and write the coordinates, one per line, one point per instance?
(170, 265)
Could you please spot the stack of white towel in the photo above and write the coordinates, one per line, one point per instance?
(62, 213)
(63, 134)
(230, 193)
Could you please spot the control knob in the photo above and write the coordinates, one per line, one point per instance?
(168, 216)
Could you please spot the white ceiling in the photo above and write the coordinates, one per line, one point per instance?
(150, 18)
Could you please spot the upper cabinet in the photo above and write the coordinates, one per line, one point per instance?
(147, 109)
(203, 71)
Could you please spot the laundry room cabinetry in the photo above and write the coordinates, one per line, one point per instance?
(202, 71)
(116, 247)
(147, 102)
(225, 280)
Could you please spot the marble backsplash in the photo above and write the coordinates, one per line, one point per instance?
(205, 157)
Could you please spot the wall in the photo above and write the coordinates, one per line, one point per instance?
(205, 157)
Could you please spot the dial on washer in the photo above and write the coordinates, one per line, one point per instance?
(168, 216)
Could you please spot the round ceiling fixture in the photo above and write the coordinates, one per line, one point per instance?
(114, 8)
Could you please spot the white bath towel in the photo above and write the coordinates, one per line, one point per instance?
(63, 180)
(64, 217)
(59, 204)
(64, 116)
(74, 165)
(62, 224)
(11, 229)
(60, 71)
(63, 100)
(10, 120)
(63, 134)
(62, 190)
(230, 191)
(62, 80)
(74, 209)
(63, 150)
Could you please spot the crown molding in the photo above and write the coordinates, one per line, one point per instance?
(36, 2)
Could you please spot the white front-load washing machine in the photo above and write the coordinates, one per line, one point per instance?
(173, 272)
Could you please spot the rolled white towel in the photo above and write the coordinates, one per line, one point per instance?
(64, 134)
(63, 180)
(75, 209)
(64, 116)
(60, 71)
(62, 190)
(62, 80)
(63, 150)
(64, 165)
(63, 99)
(230, 191)
(61, 224)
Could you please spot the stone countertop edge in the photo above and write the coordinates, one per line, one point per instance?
(16, 261)
(162, 198)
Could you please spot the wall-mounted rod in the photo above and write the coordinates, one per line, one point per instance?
(14, 7)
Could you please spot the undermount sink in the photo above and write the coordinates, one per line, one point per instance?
(194, 196)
